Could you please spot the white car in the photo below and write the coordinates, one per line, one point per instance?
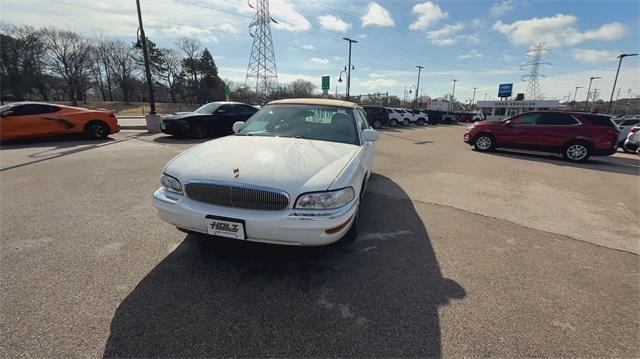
(395, 117)
(293, 174)
(625, 125)
(417, 117)
(632, 143)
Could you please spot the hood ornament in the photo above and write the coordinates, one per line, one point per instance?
(236, 172)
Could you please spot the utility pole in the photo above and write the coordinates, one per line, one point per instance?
(349, 69)
(574, 96)
(453, 93)
(621, 56)
(418, 86)
(595, 97)
(533, 87)
(152, 102)
(262, 73)
(474, 97)
(485, 96)
(626, 112)
(586, 104)
(613, 111)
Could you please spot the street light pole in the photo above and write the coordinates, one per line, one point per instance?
(574, 96)
(586, 104)
(621, 56)
(474, 96)
(152, 101)
(349, 69)
(418, 87)
(453, 93)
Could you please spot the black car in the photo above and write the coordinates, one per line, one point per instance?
(376, 116)
(214, 119)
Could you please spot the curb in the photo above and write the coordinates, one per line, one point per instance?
(133, 127)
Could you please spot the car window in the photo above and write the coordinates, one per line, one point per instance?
(325, 123)
(362, 120)
(556, 119)
(527, 119)
(208, 108)
(599, 120)
(630, 122)
(33, 109)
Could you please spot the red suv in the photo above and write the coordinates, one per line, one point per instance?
(576, 135)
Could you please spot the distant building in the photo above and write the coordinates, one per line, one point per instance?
(498, 110)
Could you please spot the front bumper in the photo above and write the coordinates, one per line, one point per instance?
(290, 227)
(467, 138)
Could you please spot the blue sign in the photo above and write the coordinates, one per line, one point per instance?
(505, 90)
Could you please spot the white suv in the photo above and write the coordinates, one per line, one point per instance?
(395, 117)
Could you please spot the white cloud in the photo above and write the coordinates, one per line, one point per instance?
(556, 31)
(308, 47)
(471, 54)
(501, 8)
(377, 16)
(476, 23)
(333, 23)
(594, 56)
(226, 27)
(428, 14)
(320, 61)
(379, 84)
(446, 35)
(362, 36)
(288, 17)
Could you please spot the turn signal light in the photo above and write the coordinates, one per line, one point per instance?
(338, 228)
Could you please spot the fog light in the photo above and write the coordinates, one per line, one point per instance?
(338, 228)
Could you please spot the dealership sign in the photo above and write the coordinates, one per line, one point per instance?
(504, 90)
(512, 104)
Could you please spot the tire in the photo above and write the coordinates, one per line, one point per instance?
(420, 122)
(629, 148)
(377, 124)
(405, 122)
(198, 131)
(393, 122)
(484, 142)
(96, 130)
(578, 151)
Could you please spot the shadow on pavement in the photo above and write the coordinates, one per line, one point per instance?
(376, 296)
(616, 164)
(168, 139)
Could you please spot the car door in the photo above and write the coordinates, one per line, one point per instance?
(516, 133)
(32, 120)
(553, 129)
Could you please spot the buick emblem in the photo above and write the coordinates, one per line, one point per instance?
(236, 172)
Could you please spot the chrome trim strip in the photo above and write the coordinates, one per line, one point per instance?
(162, 196)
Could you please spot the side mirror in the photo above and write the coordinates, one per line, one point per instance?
(508, 123)
(6, 113)
(237, 126)
(370, 135)
(219, 111)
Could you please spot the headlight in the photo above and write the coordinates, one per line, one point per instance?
(326, 200)
(170, 184)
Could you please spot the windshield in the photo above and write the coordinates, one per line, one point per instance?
(324, 123)
(4, 108)
(208, 108)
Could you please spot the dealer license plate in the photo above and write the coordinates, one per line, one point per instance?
(225, 227)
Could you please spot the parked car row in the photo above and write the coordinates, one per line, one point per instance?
(378, 116)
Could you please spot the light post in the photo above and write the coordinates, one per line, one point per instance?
(340, 80)
(453, 93)
(574, 96)
(485, 96)
(586, 104)
(474, 96)
(621, 56)
(349, 68)
(418, 86)
(152, 102)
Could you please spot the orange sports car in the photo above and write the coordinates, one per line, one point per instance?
(33, 119)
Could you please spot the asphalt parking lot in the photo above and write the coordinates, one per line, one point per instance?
(460, 254)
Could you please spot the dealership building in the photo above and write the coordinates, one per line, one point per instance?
(497, 110)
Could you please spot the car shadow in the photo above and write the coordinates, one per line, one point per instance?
(376, 296)
(181, 140)
(615, 164)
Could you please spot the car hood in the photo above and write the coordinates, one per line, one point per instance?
(180, 115)
(291, 164)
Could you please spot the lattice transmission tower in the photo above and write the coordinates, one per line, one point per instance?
(535, 53)
(262, 74)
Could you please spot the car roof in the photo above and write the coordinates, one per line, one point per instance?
(314, 101)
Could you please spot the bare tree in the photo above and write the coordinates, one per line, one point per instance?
(21, 61)
(191, 49)
(68, 55)
(301, 88)
(170, 71)
(123, 67)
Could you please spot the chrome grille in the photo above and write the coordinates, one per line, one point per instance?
(230, 195)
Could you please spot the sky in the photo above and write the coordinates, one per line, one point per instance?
(479, 43)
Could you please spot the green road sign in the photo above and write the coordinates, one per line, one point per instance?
(325, 82)
(226, 90)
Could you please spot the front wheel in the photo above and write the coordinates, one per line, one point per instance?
(377, 124)
(420, 122)
(405, 122)
(198, 131)
(96, 130)
(629, 148)
(393, 123)
(576, 152)
(484, 143)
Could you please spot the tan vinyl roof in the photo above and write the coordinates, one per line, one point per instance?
(314, 101)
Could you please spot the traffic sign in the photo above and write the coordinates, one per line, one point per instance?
(226, 90)
(326, 82)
